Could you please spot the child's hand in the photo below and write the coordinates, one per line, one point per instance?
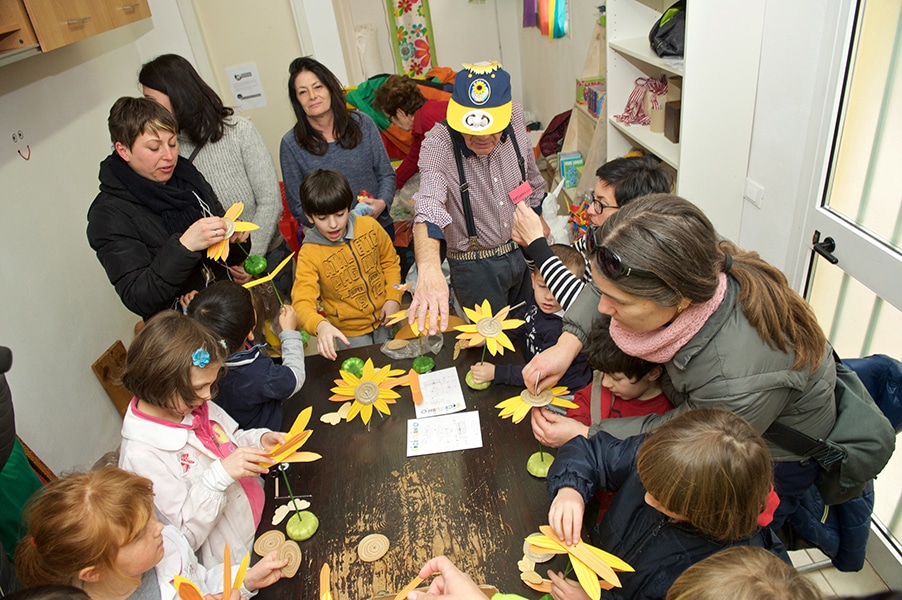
(566, 515)
(326, 334)
(565, 589)
(483, 372)
(389, 308)
(243, 462)
(554, 430)
(185, 299)
(271, 439)
(266, 572)
(288, 319)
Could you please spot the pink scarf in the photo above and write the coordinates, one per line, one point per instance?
(660, 345)
(214, 439)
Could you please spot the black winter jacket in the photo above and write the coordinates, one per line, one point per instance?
(149, 268)
(658, 548)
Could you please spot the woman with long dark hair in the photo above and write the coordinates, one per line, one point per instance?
(327, 135)
(226, 148)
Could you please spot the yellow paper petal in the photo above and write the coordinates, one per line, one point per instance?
(505, 341)
(366, 413)
(521, 412)
(587, 578)
(368, 370)
(543, 541)
(186, 588)
(245, 226)
(344, 390)
(234, 211)
(560, 390)
(564, 403)
(242, 569)
(382, 406)
(469, 328)
(615, 562)
(472, 314)
(352, 412)
(511, 323)
(272, 274)
(300, 422)
(304, 457)
(486, 308)
(492, 346)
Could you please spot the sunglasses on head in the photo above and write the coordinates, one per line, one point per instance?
(609, 260)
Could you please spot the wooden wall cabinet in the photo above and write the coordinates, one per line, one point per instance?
(55, 23)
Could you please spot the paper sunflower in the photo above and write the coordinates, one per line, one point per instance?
(487, 328)
(294, 439)
(589, 563)
(373, 388)
(220, 250)
(519, 406)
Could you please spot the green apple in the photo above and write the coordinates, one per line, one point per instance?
(303, 528)
(539, 463)
(353, 365)
(473, 384)
(423, 364)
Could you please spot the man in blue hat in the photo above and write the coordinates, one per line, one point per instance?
(474, 170)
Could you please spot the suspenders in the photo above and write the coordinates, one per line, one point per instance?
(457, 140)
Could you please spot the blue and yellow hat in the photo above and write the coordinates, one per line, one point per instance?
(481, 101)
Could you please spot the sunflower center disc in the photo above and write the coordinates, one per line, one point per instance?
(543, 398)
(488, 327)
(230, 228)
(366, 392)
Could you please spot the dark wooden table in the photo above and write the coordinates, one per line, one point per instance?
(475, 506)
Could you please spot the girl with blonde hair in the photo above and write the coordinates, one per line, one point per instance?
(97, 531)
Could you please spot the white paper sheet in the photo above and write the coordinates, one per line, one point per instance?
(441, 393)
(446, 433)
(244, 80)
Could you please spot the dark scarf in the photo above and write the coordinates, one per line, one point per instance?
(174, 200)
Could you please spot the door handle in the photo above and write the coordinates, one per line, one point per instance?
(826, 249)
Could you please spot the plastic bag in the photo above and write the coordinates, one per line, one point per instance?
(415, 347)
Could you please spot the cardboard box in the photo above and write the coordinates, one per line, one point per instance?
(672, 121)
(570, 165)
(582, 84)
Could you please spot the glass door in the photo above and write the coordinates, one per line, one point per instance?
(855, 275)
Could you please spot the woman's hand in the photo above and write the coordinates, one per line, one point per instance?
(288, 319)
(185, 299)
(566, 515)
(244, 462)
(389, 308)
(551, 364)
(555, 430)
(565, 589)
(528, 226)
(266, 572)
(326, 334)
(452, 583)
(483, 372)
(271, 439)
(203, 233)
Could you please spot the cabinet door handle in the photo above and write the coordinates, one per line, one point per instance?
(131, 6)
(78, 21)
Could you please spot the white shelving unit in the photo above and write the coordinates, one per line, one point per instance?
(720, 73)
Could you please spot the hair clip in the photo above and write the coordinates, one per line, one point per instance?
(200, 358)
(223, 344)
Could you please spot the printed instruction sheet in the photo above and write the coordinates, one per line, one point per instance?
(446, 433)
(442, 394)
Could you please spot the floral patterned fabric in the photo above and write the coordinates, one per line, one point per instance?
(412, 39)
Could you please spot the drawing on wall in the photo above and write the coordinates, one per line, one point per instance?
(18, 136)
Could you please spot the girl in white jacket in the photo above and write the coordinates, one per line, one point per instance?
(97, 531)
(204, 469)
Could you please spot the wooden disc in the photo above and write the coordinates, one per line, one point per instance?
(539, 400)
(488, 327)
(366, 392)
(372, 547)
(396, 344)
(268, 542)
(290, 550)
(534, 556)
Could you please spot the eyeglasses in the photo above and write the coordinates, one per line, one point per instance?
(600, 206)
(609, 260)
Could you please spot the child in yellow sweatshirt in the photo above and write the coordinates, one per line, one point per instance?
(347, 261)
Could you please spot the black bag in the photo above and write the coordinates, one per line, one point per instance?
(856, 449)
(668, 34)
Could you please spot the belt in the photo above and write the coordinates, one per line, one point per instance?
(490, 253)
